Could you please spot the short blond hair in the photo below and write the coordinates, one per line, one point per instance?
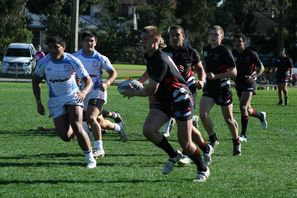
(156, 33)
(217, 28)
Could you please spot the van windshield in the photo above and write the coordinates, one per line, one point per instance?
(17, 52)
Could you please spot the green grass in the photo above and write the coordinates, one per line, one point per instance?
(38, 164)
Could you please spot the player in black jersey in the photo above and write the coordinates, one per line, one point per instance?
(188, 61)
(283, 65)
(249, 68)
(172, 99)
(219, 67)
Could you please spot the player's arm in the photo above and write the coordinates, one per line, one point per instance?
(37, 92)
(148, 89)
(231, 73)
(259, 71)
(87, 88)
(112, 75)
(143, 77)
(200, 74)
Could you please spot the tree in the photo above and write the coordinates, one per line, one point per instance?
(13, 23)
(196, 17)
(57, 15)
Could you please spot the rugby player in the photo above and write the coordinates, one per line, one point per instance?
(219, 67)
(65, 104)
(283, 68)
(95, 63)
(188, 61)
(249, 68)
(172, 99)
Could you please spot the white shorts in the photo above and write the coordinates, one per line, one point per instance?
(95, 94)
(56, 105)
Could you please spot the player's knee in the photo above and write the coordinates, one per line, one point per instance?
(92, 119)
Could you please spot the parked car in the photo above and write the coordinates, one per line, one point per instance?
(18, 59)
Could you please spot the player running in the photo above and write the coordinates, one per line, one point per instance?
(249, 68)
(283, 65)
(187, 61)
(172, 99)
(95, 63)
(65, 103)
(219, 67)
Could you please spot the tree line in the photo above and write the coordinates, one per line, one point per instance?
(119, 40)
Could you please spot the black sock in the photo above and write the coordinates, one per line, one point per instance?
(197, 159)
(204, 147)
(244, 124)
(213, 138)
(236, 141)
(256, 114)
(164, 145)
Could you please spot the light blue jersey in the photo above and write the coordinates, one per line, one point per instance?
(94, 64)
(60, 74)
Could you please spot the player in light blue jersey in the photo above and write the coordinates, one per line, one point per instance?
(65, 103)
(95, 63)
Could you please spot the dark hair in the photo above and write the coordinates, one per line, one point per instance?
(240, 35)
(177, 27)
(56, 40)
(88, 34)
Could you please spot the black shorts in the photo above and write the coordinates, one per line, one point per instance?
(222, 95)
(245, 87)
(181, 108)
(282, 79)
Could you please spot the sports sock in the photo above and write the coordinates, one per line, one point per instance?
(244, 124)
(236, 141)
(196, 158)
(164, 145)
(117, 127)
(105, 113)
(88, 154)
(256, 114)
(204, 147)
(98, 144)
(213, 138)
(286, 100)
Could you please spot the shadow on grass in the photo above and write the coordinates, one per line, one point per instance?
(51, 181)
(30, 132)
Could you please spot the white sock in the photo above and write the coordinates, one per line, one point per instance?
(117, 127)
(98, 144)
(89, 154)
(114, 115)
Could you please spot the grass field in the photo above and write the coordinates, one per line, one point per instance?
(38, 164)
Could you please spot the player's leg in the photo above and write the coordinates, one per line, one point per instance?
(206, 103)
(118, 127)
(203, 145)
(63, 127)
(91, 116)
(155, 119)
(244, 103)
(279, 93)
(75, 114)
(227, 112)
(285, 92)
(184, 129)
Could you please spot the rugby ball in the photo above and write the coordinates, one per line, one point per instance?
(125, 86)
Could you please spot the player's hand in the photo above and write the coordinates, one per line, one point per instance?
(40, 108)
(181, 68)
(80, 96)
(210, 76)
(199, 84)
(249, 79)
(103, 86)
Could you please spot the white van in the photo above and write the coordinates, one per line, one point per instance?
(18, 59)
